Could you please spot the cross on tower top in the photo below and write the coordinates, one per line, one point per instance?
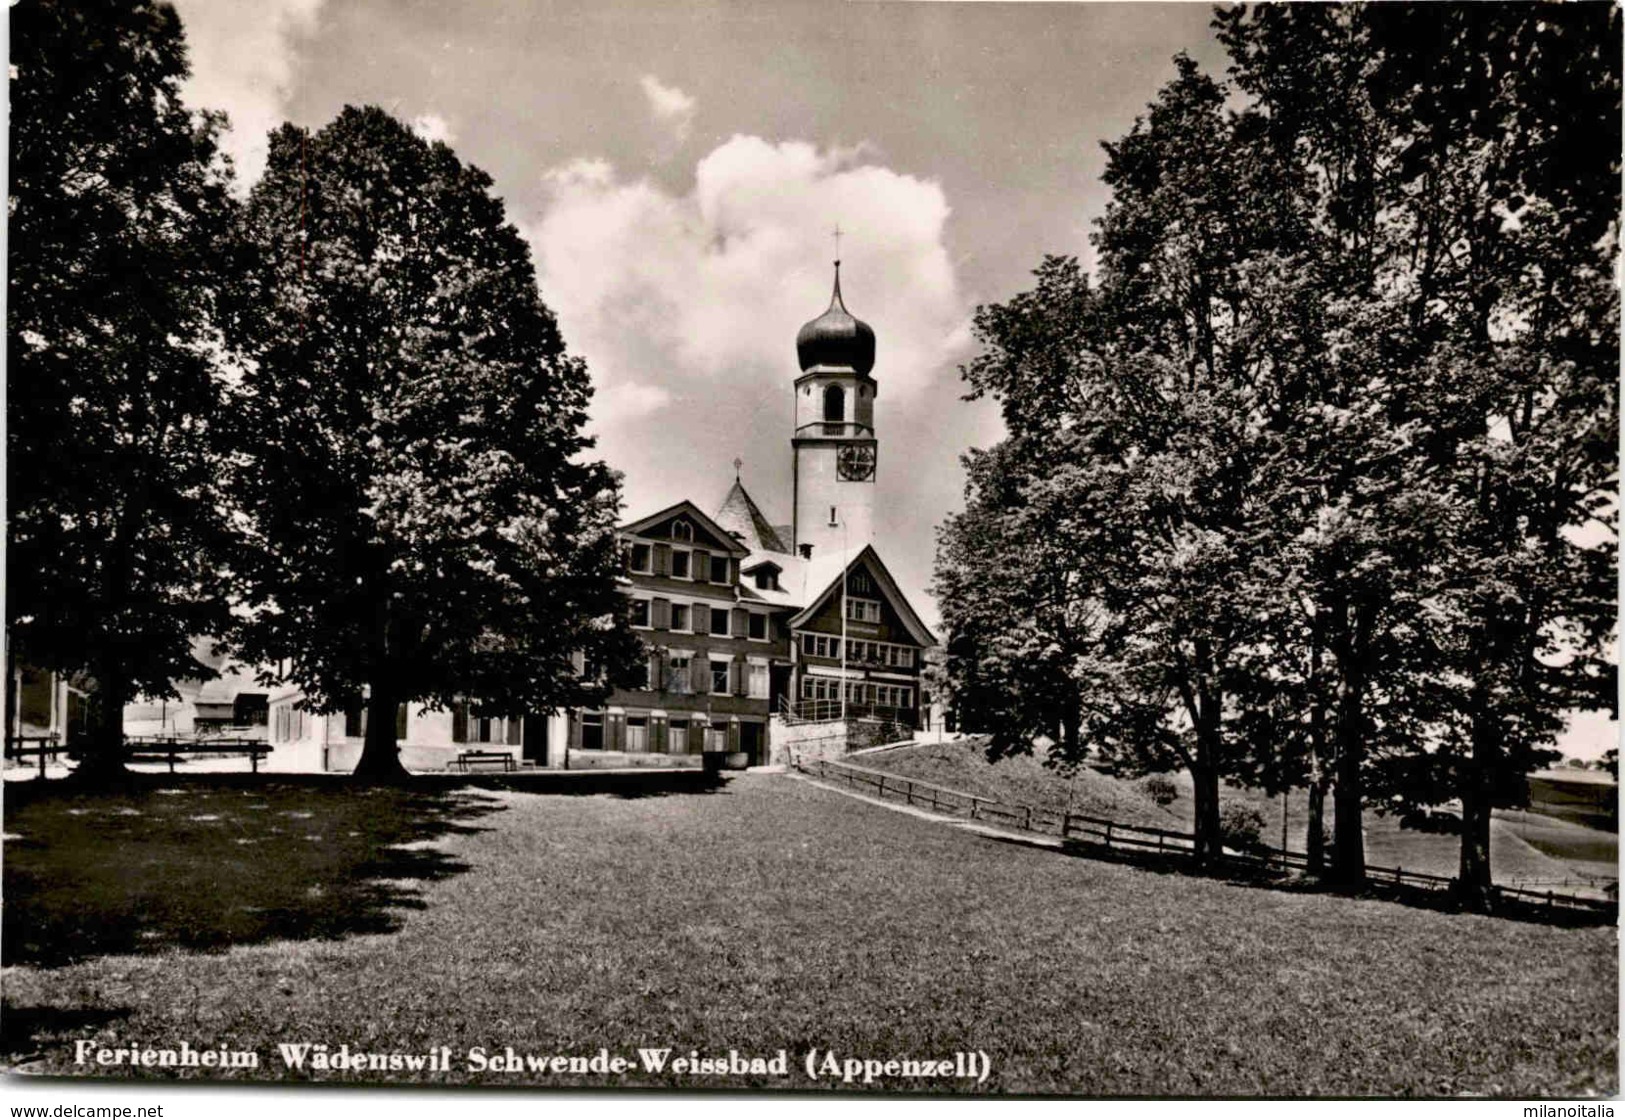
(738, 462)
(837, 236)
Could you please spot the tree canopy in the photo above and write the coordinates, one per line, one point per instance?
(414, 476)
(119, 230)
(1314, 483)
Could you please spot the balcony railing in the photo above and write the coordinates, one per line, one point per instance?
(835, 430)
(822, 711)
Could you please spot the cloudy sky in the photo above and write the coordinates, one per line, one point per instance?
(678, 168)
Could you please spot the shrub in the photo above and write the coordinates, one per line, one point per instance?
(1241, 826)
(1440, 821)
(1161, 789)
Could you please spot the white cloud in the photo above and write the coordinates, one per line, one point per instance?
(433, 127)
(686, 305)
(670, 105)
(625, 402)
(244, 61)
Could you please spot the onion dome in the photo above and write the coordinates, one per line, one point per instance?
(837, 338)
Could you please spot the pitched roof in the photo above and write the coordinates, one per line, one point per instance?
(823, 577)
(740, 515)
(690, 510)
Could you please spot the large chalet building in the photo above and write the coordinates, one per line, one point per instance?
(748, 625)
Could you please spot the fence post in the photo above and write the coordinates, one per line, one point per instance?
(1108, 834)
(1066, 822)
(1027, 821)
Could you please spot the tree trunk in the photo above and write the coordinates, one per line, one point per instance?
(1348, 826)
(1209, 839)
(380, 752)
(1317, 818)
(1319, 778)
(103, 763)
(1473, 882)
(1069, 732)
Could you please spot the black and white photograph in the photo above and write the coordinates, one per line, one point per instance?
(799, 547)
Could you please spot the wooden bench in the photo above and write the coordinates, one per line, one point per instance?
(171, 750)
(470, 758)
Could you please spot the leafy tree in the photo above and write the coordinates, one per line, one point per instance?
(1475, 221)
(119, 221)
(428, 528)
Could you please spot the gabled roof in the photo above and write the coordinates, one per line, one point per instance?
(692, 512)
(739, 514)
(824, 576)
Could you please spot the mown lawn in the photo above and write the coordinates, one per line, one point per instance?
(1518, 855)
(774, 914)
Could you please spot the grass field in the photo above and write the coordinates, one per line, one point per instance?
(1525, 849)
(764, 914)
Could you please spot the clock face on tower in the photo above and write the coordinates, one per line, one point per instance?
(855, 462)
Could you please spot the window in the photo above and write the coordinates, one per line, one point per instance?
(719, 678)
(757, 689)
(862, 610)
(637, 734)
(821, 645)
(893, 696)
(719, 622)
(758, 627)
(859, 584)
(679, 564)
(834, 404)
(355, 719)
(767, 579)
(719, 569)
(642, 558)
(678, 679)
(682, 531)
(820, 688)
(592, 731)
(679, 616)
(640, 613)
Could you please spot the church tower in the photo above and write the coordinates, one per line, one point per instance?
(834, 441)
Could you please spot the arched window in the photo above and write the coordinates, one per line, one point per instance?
(834, 405)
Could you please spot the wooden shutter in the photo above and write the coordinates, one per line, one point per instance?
(459, 722)
(657, 734)
(657, 666)
(701, 623)
(733, 736)
(660, 613)
(700, 672)
(736, 676)
(614, 732)
(400, 722)
(696, 737)
(578, 661)
(700, 566)
(515, 729)
(739, 625)
(662, 560)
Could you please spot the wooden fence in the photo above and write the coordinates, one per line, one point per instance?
(1113, 835)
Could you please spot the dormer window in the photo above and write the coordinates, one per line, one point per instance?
(767, 579)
